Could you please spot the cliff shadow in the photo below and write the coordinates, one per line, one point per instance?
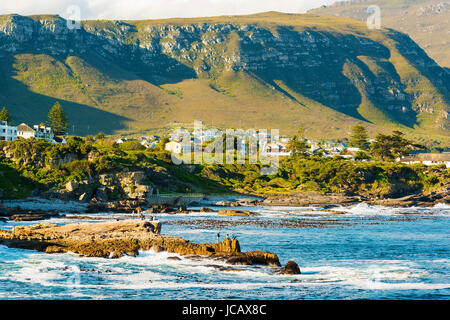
(317, 72)
(136, 62)
(32, 108)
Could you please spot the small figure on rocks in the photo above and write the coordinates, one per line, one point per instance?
(218, 237)
(140, 213)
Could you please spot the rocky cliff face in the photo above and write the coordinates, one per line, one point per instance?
(369, 75)
(426, 21)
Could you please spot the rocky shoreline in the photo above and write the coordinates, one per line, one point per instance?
(300, 199)
(118, 238)
(295, 199)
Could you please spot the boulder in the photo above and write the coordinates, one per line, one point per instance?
(101, 194)
(206, 210)
(236, 213)
(248, 202)
(174, 258)
(157, 248)
(132, 253)
(254, 258)
(72, 186)
(291, 267)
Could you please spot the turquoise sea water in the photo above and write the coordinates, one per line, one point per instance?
(368, 252)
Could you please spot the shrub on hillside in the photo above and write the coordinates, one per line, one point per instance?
(131, 146)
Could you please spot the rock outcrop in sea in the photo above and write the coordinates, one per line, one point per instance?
(118, 238)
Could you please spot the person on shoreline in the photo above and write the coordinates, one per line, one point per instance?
(218, 237)
(140, 213)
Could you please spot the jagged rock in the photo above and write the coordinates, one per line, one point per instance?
(114, 239)
(255, 257)
(165, 208)
(206, 210)
(72, 186)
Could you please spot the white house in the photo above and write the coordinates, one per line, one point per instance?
(43, 132)
(7, 133)
(37, 132)
(428, 159)
(25, 131)
(174, 147)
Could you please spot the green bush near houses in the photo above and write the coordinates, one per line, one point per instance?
(330, 175)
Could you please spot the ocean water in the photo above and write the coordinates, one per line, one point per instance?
(359, 252)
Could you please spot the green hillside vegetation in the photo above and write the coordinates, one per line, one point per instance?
(115, 92)
(329, 175)
(37, 165)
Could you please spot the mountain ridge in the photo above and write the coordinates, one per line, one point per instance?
(268, 70)
(426, 21)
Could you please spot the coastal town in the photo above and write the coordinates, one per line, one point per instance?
(184, 141)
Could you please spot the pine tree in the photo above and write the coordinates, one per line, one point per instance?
(5, 116)
(391, 147)
(58, 119)
(359, 137)
(298, 144)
